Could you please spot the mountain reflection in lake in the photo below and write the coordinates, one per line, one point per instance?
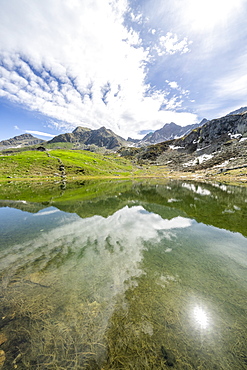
(141, 276)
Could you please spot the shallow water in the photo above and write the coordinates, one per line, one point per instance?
(138, 276)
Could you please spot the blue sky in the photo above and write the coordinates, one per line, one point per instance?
(130, 66)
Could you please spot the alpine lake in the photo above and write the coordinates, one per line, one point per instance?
(121, 274)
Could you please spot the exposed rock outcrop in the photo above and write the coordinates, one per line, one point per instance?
(20, 141)
(215, 133)
(168, 132)
(220, 142)
(240, 110)
(101, 137)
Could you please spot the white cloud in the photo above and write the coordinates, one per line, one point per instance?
(39, 133)
(170, 44)
(138, 18)
(173, 84)
(58, 56)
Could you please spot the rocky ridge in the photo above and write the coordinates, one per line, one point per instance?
(86, 138)
(237, 111)
(220, 143)
(20, 141)
(215, 133)
(101, 137)
(169, 131)
(105, 138)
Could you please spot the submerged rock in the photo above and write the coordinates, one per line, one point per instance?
(3, 338)
(2, 358)
(168, 356)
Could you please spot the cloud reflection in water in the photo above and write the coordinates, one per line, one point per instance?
(89, 262)
(128, 227)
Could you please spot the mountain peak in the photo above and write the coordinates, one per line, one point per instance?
(21, 140)
(169, 131)
(101, 137)
(238, 111)
(102, 129)
(23, 137)
(80, 129)
(171, 124)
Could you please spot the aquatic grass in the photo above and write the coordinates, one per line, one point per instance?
(154, 329)
(57, 315)
(46, 334)
(145, 326)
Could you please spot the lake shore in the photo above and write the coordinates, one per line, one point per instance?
(233, 178)
(61, 166)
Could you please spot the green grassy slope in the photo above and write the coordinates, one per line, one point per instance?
(35, 164)
(78, 162)
(27, 164)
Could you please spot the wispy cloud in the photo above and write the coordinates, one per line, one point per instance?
(227, 91)
(232, 84)
(203, 16)
(39, 133)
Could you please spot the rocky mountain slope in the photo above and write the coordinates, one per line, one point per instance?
(20, 141)
(102, 138)
(220, 142)
(240, 110)
(168, 132)
(106, 138)
(83, 138)
(215, 133)
(205, 137)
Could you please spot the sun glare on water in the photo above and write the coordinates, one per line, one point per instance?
(200, 317)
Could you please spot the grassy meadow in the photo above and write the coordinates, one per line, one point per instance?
(35, 164)
(68, 164)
